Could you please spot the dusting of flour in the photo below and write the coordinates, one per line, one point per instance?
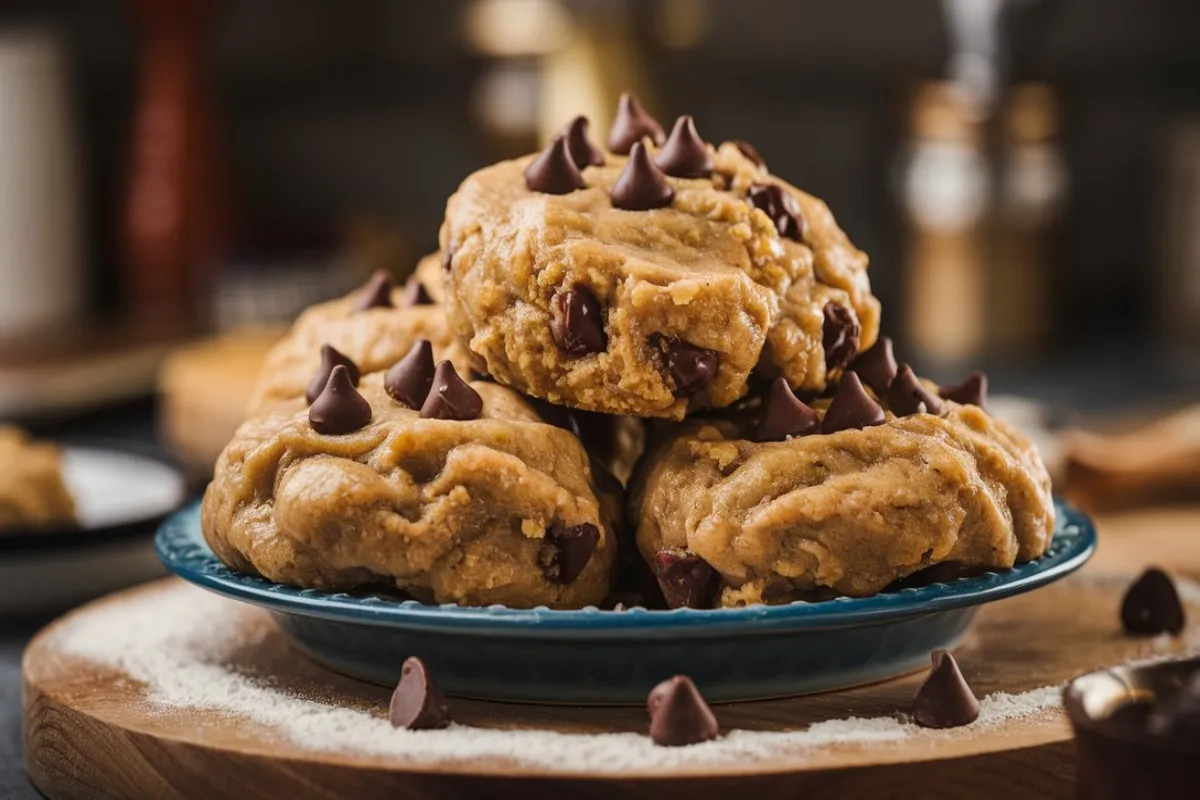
(178, 647)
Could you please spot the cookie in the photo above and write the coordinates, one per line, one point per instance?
(470, 499)
(651, 285)
(796, 502)
(373, 327)
(32, 490)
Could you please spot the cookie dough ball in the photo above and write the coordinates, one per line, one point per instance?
(374, 338)
(726, 518)
(652, 311)
(474, 500)
(32, 490)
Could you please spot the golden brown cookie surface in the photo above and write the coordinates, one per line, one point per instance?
(32, 491)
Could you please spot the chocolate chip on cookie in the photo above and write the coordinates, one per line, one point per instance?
(751, 153)
(576, 323)
(839, 335)
(417, 704)
(784, 415)
(641, 185)
(631, 125)
(972, 391)
(409, 379)
(1151, 605)
(339, 408)
(554, 170)
(376, 293)
(678, 714)
(877, 366)
(447, 259)
(685, 155)
(415, 295)
(330, 358)
(583, 151)
(573, 549)
(691, 368)
(907, 395)
(779, 204)
(686, 581)
(450, 397)
(851, 408)
(944, 700)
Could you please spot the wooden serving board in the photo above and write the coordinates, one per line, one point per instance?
(93, 731)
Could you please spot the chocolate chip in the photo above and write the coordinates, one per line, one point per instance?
(839, 335)
(678, 714)
(907, 395)
(376, 293)
(631, 125)
(972, 391)
(583, 152)
(877, 366)
(574, 547)
(685, 155)
(779, 204)
(686, 581)
(1178, 717)
(690, 367)
(417, 704)
(553, 171)
(339, 408)
(944, 699)
(784, 415)
(330, 358)
(415, 295)
(450, 397)
(1151, 605)
(641, 186)
(576, 323)
(447, 259)
(851, 407)
(750, 152)
(409, 379)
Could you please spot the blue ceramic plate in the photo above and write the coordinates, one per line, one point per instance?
(591, 656)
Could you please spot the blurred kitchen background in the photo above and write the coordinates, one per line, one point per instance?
(177, 179)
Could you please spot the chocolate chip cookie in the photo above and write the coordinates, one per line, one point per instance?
(32, 490)
(651, 284)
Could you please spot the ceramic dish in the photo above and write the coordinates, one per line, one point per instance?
(121, 498)
(591, 656)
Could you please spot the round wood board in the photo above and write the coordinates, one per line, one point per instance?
(92, 730)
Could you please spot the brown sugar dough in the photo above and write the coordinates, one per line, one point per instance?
(710, 270)
(373, 339)
(851, 511)
(448, 511)
(32, 490)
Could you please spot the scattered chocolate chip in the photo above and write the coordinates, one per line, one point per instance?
(330, 358)
(1178, 717)
(972, 391)
(376, 293)
(678, 714)
(686, 581)
(415, 295)
(839, 335)
(450, 397)
(779, 204)
(877, 366)
(784, 415)
(907, 395)
(339, 408)
(944, 699)
(691, 367)
(583, 151)
(851, 407)
(553, 171)
(750, 152)
(574, 546)
(641, 186)
(1151, 605)
(576, 323)
(685, 155)
(631, 125)
(409, 379)
(417, 704)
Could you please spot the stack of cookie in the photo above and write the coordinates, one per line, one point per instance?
(470, 437)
